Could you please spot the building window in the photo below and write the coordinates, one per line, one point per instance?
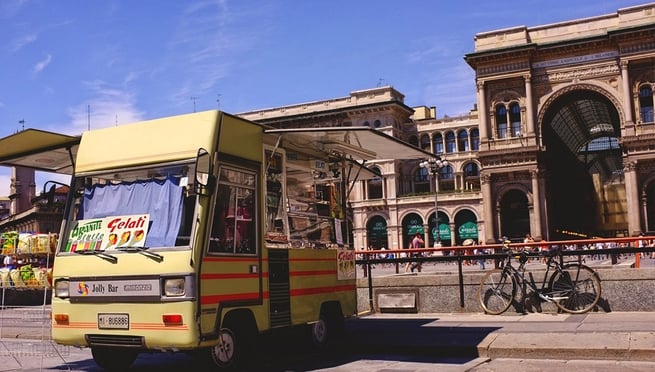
(367, 124)
(413, 140)
(475, 139)
(462, 141)
(421, 180)
(374, 186)
(646, 104)
(450, 142)
(425, 142)
(515, 119)
(446, 179)
(437, 143)
(377, 123)
(501, 121)
(471, 177)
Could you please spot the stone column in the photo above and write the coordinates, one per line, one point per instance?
(482, 111)
(485, 185)
(632, 198)
(529, 104)
(625, 84)
(644, 210)
(536, 204)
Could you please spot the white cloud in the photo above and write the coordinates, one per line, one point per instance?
(108, 106)
(20, 42)
(40, 66)
(208, 42)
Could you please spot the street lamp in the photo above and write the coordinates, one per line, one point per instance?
(434, 166)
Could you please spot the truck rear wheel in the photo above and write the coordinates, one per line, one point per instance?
(113, 359)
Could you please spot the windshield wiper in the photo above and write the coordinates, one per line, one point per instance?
(144, 251)
(100, 254)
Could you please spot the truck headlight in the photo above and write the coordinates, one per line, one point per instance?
(62, 288)
(174, 287)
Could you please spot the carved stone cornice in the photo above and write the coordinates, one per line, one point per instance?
(608, 69)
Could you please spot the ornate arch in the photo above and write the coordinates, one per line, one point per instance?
(504, 189)
(607, 93)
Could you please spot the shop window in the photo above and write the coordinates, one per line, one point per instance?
(646, 104)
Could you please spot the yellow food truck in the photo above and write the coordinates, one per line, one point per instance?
(198, 232)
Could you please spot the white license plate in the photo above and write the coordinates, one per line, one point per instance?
(113, 321)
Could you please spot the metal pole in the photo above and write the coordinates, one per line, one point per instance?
(437, 238)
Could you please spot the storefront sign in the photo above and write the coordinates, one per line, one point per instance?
(468, 230)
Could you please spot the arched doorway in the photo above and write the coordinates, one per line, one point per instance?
(376, 230)
(584, 186)
(412, 224)
(444, 236)
(650, 207)
(466, 224)
(514, 214)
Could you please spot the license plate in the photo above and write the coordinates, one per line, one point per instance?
(113, 321)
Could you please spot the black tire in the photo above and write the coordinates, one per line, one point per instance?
(576, 289)
(233, 350)
(328, 330)
(496, 293)
(114, 359)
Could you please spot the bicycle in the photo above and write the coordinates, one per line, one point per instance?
(573, 287)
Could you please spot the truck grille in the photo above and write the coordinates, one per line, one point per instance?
(115, 341)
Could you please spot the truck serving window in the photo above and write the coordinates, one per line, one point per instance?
(233, 227)
(136, 208)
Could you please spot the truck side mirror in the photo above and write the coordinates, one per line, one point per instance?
(204, 180)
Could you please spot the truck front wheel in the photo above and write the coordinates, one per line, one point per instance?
(113, 359)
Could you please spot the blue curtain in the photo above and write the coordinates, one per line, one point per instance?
(161, 199)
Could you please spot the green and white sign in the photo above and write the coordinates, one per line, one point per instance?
(468, 230)
(444, 232)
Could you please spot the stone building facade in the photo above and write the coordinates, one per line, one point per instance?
(388, 211)
(566, 126)
(561, 142)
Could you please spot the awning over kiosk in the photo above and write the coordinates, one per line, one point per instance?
(360, 143)
(40, 150)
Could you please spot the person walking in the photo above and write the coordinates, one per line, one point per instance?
(417, 242)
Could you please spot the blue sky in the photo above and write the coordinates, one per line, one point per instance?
(72, 64)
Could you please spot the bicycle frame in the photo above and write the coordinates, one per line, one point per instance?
(519, 273)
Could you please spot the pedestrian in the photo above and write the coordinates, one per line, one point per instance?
(641, 243)
(417, 242)
(481, 261)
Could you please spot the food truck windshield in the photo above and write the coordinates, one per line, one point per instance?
(146, 207)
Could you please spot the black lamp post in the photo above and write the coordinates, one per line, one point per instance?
(434, 166)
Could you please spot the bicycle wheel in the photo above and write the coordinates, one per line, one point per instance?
(497, 290)
(575, 289)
